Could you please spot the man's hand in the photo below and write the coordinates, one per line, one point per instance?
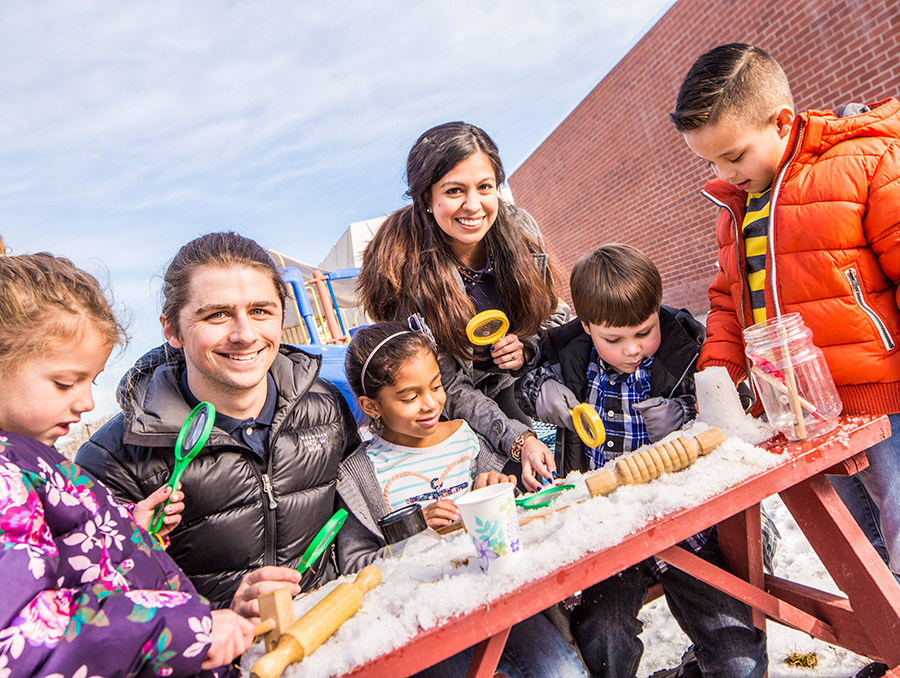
(264, 580)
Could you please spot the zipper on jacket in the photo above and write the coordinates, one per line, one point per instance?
(267, 487)
(737, 257)
(773, 199)
(855, 285)
(269, 525)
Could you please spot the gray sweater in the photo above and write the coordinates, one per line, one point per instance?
(359, 542)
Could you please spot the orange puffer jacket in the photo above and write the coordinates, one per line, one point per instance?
(833, 254)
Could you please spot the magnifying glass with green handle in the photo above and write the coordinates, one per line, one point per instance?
(321, 541)
(193, 435)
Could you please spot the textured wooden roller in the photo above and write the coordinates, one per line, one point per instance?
(651, 463)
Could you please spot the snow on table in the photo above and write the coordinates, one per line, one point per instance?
(423, 589)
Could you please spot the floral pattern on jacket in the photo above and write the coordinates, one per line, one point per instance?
(85, 591)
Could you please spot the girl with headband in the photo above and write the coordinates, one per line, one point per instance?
(416, 457)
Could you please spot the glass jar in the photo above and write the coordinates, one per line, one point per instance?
(791, 376)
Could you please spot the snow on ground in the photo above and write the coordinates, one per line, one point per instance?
(664, 642)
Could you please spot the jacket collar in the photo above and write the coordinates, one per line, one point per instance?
(154, 407)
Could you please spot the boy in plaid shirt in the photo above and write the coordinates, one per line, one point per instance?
(633, 360)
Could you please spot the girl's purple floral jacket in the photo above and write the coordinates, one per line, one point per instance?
(84, 591)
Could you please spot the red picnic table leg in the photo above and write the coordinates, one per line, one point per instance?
(741, 545)
(487, 655)
(852, 562)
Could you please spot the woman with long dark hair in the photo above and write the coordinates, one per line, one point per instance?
(459, 249)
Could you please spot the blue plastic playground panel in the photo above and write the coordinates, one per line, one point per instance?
(333, 371)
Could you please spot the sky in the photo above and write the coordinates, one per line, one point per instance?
(127, 129)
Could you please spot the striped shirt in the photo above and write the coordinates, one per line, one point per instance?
(756, 232)
(422, 475)
(613, 394)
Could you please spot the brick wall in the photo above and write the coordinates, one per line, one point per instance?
(616, 170)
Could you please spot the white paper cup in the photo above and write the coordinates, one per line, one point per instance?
(489, 515)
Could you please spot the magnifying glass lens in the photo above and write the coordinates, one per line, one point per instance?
(196, 429)
(488, 328)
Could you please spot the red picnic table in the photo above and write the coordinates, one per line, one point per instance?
(867, 621)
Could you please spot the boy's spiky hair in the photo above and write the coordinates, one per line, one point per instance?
(736, 82)
(616, 285)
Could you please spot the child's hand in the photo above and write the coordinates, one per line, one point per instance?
(143, 510)
(230, 637)
(663, 415)
(491, 478)
(554, 404)
(509, 353)
(538, 466)
(440, 513)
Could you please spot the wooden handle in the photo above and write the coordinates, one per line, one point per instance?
(791, 383)
(649, 464)
(271, 665)
(264, 626)
(314, 628)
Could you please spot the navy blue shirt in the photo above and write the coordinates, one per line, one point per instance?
(481, 288)
(254, 432)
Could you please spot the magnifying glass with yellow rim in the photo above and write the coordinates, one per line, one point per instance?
(487, 327)
(588, 425)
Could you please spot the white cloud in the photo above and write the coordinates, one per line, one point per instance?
(126, 129)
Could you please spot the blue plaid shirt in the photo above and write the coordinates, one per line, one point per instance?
(613, 394)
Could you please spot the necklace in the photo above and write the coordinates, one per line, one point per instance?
(473, 275)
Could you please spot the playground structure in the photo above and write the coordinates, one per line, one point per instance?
(321, 308)
(320, 316)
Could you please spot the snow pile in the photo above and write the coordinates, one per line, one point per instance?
(421, 589)
(718, 404)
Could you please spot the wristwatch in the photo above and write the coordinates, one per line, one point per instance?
(515, 452)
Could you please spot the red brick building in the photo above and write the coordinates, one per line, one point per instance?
(616, 170)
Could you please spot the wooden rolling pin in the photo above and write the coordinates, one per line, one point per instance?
(314, 628)
(651, 463)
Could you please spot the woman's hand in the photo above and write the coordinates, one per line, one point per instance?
(492, 478)
(144, 509)
(264, 580)
(538, 465)
(440, 513)
(230, 637)
(509, 353)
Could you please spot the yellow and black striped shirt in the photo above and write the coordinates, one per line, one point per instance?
(756, 233)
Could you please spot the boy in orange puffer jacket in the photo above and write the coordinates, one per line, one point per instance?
(810, 223)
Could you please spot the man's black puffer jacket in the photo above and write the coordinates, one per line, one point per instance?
(232, 523)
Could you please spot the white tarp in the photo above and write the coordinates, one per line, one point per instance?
(347, 251)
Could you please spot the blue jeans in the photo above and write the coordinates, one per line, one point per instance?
(606, 625)
(873, 497)
(534, 649)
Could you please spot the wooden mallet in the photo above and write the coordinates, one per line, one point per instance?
(276, 609)
(649, 464)
(314, 628)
